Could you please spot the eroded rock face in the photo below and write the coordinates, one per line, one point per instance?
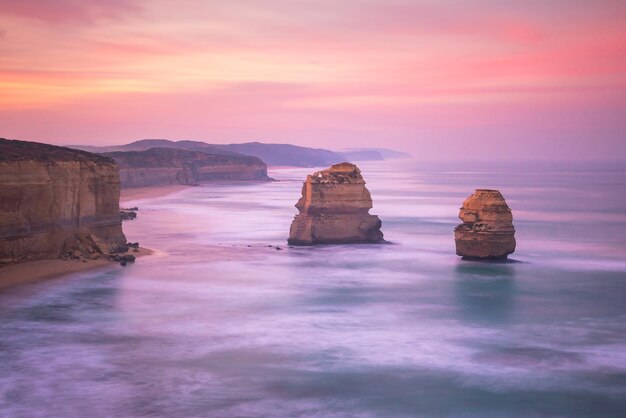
(166, 166)
(57, 202)
(487, 230)
(334, 209)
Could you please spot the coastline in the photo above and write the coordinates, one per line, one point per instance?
(136, 193)
(39, 270)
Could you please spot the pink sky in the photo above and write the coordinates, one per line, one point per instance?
(438, 78)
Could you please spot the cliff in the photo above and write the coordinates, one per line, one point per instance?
(164, 166)
(334, 208)
(487, 230)
(57, 202)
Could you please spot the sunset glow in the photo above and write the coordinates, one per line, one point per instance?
(524, 79)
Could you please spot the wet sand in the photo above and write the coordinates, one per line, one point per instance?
(38, 270)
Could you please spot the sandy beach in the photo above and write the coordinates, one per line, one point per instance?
(128, 195)
(37, 270)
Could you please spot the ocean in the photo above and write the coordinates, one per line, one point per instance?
(227, 320)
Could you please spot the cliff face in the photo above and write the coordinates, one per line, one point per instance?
(487, 230)
(334, 209)
(56, 201)
(165, 166)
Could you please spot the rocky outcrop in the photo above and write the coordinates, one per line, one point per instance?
(334, 209)
(166, 166)
(57, 202)
(487, 230)
(128, 214)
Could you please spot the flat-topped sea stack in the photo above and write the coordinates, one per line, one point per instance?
(334, 209)
(487, 230)
(57, 202)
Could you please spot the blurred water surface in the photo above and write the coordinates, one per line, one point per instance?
(219, 323)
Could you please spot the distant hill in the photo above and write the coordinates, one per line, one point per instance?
(372, 154)
(362, 155)
(146, 144)
(287, 155)
(271, 154)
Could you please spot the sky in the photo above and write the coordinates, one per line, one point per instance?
(441, 79)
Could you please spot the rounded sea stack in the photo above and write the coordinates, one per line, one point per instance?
(487, 231)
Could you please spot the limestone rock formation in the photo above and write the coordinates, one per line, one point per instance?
(334, 209)
(487, 230)
(165, 166)
(57, 202)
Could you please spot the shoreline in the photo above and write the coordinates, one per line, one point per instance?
(150, 192)
(139, 193)
(40, 270)
(35, 271)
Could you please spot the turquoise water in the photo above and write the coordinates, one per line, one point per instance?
(220, 324)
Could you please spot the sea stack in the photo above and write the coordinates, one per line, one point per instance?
(487, 231)
(334, 209)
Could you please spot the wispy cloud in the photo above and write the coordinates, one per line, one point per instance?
(68, 11)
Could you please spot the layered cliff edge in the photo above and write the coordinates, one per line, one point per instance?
(168, 166)
(57, 202)
(334, 209)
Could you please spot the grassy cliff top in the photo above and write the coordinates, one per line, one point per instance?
(13, 150)
(174, 157)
